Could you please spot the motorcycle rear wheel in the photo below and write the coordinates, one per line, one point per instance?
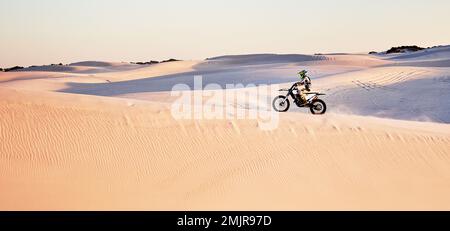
(318, 107)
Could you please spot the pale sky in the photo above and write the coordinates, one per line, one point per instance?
(36, 32)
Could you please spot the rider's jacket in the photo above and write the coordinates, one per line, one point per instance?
(306, 82)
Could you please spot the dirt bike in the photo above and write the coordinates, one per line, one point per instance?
(316, 106)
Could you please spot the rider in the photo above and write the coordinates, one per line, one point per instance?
(306, 82)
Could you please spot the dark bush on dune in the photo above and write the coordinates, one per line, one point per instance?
(1, 69)
(170, 60)
(146, 63)
(373, 53)
(13, 68)
(404, 49)
(154, 62)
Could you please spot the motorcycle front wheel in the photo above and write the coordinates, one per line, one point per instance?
(281, 104)
(318, 107)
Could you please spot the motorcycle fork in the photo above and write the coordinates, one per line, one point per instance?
(287, 98)
(291, 95)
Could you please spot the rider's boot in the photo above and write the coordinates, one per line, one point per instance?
(303, 101)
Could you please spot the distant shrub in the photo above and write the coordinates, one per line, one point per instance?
(1, 69)
(59, 64)
(13, 68)
(170, 60)
(373, 53)
(146, 63)
(154, 62)
(404, 49)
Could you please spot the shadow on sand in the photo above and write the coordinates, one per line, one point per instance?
(221, 77)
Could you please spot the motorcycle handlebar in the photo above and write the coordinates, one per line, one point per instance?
(285, 89)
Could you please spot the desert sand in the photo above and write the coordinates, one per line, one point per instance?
(101, 136)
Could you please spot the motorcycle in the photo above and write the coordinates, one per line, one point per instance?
(316, 106)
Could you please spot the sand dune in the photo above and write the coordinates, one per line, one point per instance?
(114, 145)
(83, 152)
(88, 67)
(440, 52)
(97, 64)
(433, 57)
(57, 68)
(254, 59)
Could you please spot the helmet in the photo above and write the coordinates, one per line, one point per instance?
(302, 74)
